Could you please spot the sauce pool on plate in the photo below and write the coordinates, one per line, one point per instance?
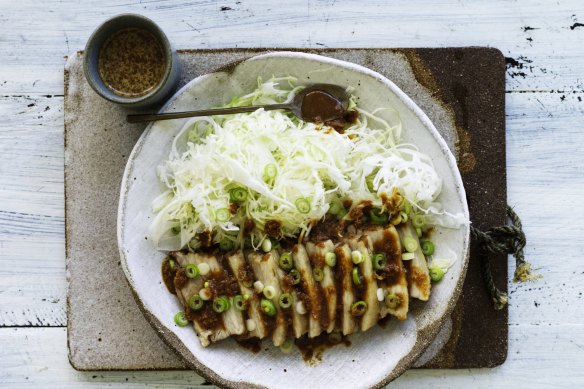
(132, 62)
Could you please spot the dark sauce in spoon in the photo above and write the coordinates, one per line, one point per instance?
(319, 106)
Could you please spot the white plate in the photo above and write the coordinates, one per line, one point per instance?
(376, 356)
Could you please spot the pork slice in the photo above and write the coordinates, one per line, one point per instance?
(207, 335)
(316, 253)
(344, 282)
(265, 267)
(299, 321)
(418, 275)
(369, 295)
(232, 318)
(385, 240)
(239, 269)
(314, 303)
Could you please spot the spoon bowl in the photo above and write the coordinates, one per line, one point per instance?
(316, 103)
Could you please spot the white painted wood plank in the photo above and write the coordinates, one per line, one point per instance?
(31, 231)
(32, 264)
(540, 356)
(542, 36)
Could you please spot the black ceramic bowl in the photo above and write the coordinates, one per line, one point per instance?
(171, 71)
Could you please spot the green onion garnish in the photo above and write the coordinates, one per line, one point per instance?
(410, 244)
(286, 262)
(226, 244)
(408, 256)
(286, 347)
(195, 302)
(318, 274)
(192, 270)
(269, 291)
(407, 207)
(379, 261)
(392, 301)
(378, 218)
(270, 172)
(436, 274)
(221, 304)
(171, 264)
(418, 221)
(267, 245)
(302, 205)
(357, 257)
(404, 216)
(356, 276)
(222, 215)
(268, 307)
(295, 276)
(330, 259)
(240, 303)
(237, 195)
(285, 300)
(335, 208)
(358, 308)
(419, 232)
(427, 247)
(180, 319)
(342, 213)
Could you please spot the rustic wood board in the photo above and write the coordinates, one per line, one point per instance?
(462, 89)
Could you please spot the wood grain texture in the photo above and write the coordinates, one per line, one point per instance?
(38, 357)
(542, 39)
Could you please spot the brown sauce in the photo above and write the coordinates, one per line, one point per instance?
(312, 349)
(132, 62)
(168, 274)
(251, 344)
(222, 283)
(390, 246)
(319, 106)
(207, 318)
(329, 228)
(272, 228)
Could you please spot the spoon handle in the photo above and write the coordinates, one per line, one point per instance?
(140, 118)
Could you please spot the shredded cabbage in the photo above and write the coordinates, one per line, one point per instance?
(211, 156)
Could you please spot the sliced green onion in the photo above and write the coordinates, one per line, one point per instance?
(237, 195)
(335, 208)
(303, 205)
(267, 245)
(418, 221)
(222, 215)
(358, 308)
(286, 347)
(378, 218)
(180, 319)
(357, 257)
(286, 262)
(285, 300)
(436, 274)
(392, 301)
(221, 304)
(269, 291)
(295, 276)
(407, 207)
(270, 172)
(268, 307)
(171, 264)
(356, 276)
(342, 213)
(226, 244)
(396, 220)
(240, 302)
(192, 270)
(379, 261)
(318, 274)
(195, 302)
(408, 256)
(404, 216)
(419, 232)
(330, 259)
(427, 247)
(369, 181)
(410, 244)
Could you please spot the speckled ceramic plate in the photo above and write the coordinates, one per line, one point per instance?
(376, 356)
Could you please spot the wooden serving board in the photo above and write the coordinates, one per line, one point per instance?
(462, 90)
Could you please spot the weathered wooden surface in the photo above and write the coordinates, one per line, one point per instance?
(542, 39)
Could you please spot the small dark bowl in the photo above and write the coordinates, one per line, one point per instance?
(90, 63)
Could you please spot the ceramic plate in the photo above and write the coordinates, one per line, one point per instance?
(375, 357)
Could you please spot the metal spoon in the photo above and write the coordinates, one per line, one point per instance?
(315, 103)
